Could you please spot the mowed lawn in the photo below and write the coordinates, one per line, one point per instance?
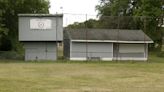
(82, 76)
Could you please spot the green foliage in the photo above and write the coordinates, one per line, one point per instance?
(149, 8)
(76, 25)
(153, 10)
(115, 7)
(91, 23)
(160, 54)
(9, 10)
(11, 55)
(3, 31)
(147, 15)
(151, 13)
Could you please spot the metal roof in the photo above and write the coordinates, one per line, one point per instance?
(40, 15)
(107, 34)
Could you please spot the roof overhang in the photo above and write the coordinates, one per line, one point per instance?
(40, 15)
(113, 41)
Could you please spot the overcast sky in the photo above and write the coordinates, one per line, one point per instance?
(77, 9)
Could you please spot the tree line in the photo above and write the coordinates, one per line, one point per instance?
(9, 10)
(151, 18)
(147, 15)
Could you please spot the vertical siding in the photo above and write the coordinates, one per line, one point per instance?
(27, 34)
(89, 50)
(40, 50)
(136, 53)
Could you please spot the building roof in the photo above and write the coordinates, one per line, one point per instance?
(40, 15)
(107, 35)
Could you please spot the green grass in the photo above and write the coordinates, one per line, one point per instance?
(20, 76)
(162, 47)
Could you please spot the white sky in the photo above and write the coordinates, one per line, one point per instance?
(77, 8)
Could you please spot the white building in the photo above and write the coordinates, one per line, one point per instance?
(105, 44)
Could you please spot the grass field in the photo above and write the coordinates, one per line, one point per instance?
(20, 76)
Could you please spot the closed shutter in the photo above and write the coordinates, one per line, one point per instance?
(40, 51)
(131, 48)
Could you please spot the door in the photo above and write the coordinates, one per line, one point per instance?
(40, 51)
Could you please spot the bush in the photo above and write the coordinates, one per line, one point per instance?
(160, 54)
(11, 55)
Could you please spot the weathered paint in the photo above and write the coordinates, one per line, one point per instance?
(107, 51)
(91, 51)
(28, 34)
(40, 50)
(40, 34)
(130, 51)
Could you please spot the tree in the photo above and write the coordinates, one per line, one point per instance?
(117, 14)
(91, 23)
(11, 9)
(3, 30)
(115, 7)
(153, 13)
(149, 11)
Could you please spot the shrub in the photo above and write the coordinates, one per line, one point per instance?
(10, 55)
(160, 54)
